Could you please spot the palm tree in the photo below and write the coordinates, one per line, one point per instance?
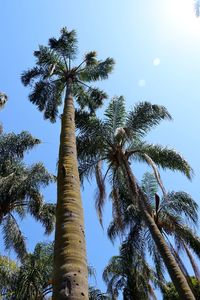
(36, 273)
(55, 80)
(117, 141)
(20, 190)
(174, 214)
(129, 273)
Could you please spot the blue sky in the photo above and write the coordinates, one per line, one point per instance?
(134, 33)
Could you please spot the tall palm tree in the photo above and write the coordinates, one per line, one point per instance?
(55, 80)
(117, 141)
(20, 190)
(129, 273)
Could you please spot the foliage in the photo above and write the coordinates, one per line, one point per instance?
(120, 137)
(170, 293)
(130, 274)
(55, 74)
(20, 190)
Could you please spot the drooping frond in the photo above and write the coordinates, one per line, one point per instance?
(90, 98)
(144, 117)
(165, 158)
(189, 237)
(101, 193)
(13, 237)
(46, 95)
(181, 203)
(14, 145)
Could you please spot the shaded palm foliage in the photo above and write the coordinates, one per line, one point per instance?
(35, 273)
(175, 215)
(54, 81)
(20, 190)
(130, 274)
(117, 141)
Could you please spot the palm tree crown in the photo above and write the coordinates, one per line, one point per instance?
(55, 73)
(121, 134)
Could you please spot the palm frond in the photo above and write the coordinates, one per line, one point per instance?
(144, 117)
(13, 237)
(98, 71)
(66, 44)
(165, 158)
(181, 203)
(149, 185)
(96, 294)
(115, 114)
(101, 193)
(14, 145)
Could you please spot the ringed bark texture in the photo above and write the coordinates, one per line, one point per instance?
(175, 272)
(70, 280)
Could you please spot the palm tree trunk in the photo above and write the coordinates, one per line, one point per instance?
(174, 271)
(193, 263)
(70, 268)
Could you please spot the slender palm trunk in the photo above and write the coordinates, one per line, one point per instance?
(70, 268)
(193, 263)
(174, 271)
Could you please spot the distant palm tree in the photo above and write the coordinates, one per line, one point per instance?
(20, 190)
(130, 274)
(54, 81)
(117, 141)
(35, 273)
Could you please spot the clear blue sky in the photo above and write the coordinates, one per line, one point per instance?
(156, 45)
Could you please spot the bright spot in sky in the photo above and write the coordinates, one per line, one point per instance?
(141, 82)
(156, 61)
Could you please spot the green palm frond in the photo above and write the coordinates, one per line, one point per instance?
(165, 158)
(149, 185)
(14, 145)
(115, 114)
(54, 74)
(189, 237)
(66, 44)
(97, 71)
(13, 237)
(96, 294)
(181, 203)
(144, 117)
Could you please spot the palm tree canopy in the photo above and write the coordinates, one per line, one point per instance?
(129, 273)
(55, 72)
(20, 190)
(119, 135)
